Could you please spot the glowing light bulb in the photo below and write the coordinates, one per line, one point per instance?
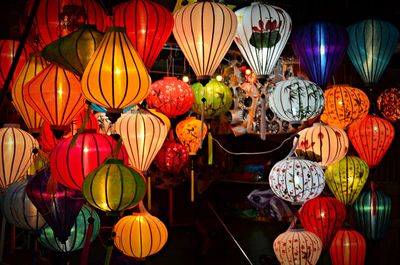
(185, 78)
(219, 78)
(248, 72)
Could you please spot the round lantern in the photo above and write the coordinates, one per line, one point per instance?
(296, 246)
(189, 131)
(78, 233)
(344, 105)
(296, 100)
(320, 47)
(389, 104)
(171, 157)
(323, 144)
(261, 35)
(91, 122)
(346, 178)
(296, 180)
(371, 137)
(323, 216)
(348, 248)
(148, 25)
(170, 96)
(204, 49)
(217, 95)
(114, 187)
(372, 43)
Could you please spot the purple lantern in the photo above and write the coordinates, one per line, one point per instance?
(320, 47)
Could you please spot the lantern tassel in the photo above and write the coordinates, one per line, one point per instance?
(192, 181)
(86, 247)
(171, 205)
(149, 192)
(203, 103)
(373, 198)
(210, 147)
(263, 122)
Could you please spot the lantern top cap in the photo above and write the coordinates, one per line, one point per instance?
(116, 29)
(11, 125)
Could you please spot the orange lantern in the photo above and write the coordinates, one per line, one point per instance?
(348, 248)
(389, 104)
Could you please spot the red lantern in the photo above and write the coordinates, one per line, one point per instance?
(348, 248)
(371, 137)
(90, 124)
(171, 157)
(46, 139)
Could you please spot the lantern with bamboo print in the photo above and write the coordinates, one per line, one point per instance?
(348, 248)
(389, 104)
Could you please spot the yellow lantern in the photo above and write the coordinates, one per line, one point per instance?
(189, 131)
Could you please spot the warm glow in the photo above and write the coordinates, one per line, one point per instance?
(185, 79)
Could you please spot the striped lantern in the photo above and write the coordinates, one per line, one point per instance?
(389, 104)
(171, 157)
(323, 144)
(188, 132)
(91, 122)
(348, 248)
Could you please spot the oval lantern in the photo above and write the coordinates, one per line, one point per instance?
(296, 100)
(348, 248)
(261, 35)
(346, 178)
(389, 104)
(171, 157)
(204, 49)
(372, 43)
(323, 216)
(189, 131)
(323, 144)
(371, 137)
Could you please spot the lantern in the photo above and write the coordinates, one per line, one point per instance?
(56, 95)
(344, 105)
(90, 122)
(189, 131)
(46, 139)
(296, 180)
(296, 246)
(170, 96)
(296, 100)
(371, 138)
(320, 47)
(323, 144)
(261, 35)
(148, 25)
(115, 76)
(16, 153)
(348, 248)
(204, 49)
(78, 233)
(346, 178)
(323, 216)
(171, 157)
(371, 45)
(389, 104)
(32, 67)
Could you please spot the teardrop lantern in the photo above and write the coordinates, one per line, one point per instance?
(389, 104)
(189, 132)
(171, 157)
(348, 248)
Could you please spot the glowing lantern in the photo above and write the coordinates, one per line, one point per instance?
(320, 47)
(91, 122)
(148, 25)
(170, 96)
(344, 105)
(323, 216)
(47, 140)
(348, 248)
(371, 45)
(261, 35)
(346, 178)
(389, 104)
(189, 131)
(171, 157)
(204, 49)
(371, 138)
(296, 100)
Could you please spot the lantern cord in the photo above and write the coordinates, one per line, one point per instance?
(86, 247)
(83, 125)
(203, 103)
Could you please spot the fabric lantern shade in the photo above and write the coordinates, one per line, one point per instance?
(204, 49)
(261, 35)
(371, 137)
(348, 248)
(148, 25)
(296, 100)
(372, 43)
(296, 246)
(346, 178)
(171, 157)
(323, 144)
(91, 122)
(189, 132)
(389, 104)
(320, 47)
(296, 180)
(46, 139)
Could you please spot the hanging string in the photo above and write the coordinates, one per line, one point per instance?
(83, 125)
(210, 146)
(263, 122)
(203, 103)
(86, 247)
(192, 179)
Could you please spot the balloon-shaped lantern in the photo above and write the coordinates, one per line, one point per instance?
(171, 157)
(389, 104)
(348, 248)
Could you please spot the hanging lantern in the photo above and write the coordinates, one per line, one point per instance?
(46, 139)
(170, 96)
(323, 144)
(261, 35)
(148, 25)
(348, 248)
(204, 49)
(371, 138)
(90, 122)
(297, 247)
(32, 67)
(16, 153)
(296, 100)
(344, 105)
(320, 47)
(389, 104)
(56, 95)
(78, 233)
(372, 43)
(323, 216)
(188, 132)
(171, 157)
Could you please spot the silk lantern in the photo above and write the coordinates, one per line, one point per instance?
(47, 140)
(296, 100)
(320, 47)
(348, 248)
(323, 144)
(189, 133)
(346, 178)
(371, 137)
(148, 25)
(171, 157)
(389, 104)
(90, 122)
(204, 49)
(372, 43)
(261, 35)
